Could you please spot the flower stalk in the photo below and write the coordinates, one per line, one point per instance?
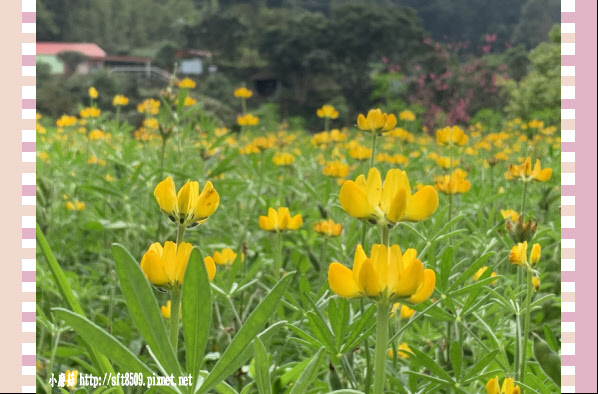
(175, 307)
(526, 326)
(381, 341)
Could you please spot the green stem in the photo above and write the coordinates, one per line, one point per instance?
(385, 235)
(526, 327)
(323, 265)
(175, 307)
(523, 195)
(374, 136)
(368, 364)
(278, 257)
(326, 123)
(179, 235)
(517, 342)
(243, 106)
(56, 335)
(162, 157)
(381, 348)
(232, 306)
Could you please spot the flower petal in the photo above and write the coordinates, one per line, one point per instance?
(422, 204)
(207, 203)
(210, 267)
(340, 279)
(165, 194)
(355, 201)
(426, 289)
(368, 280)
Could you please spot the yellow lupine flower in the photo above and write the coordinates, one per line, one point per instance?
(510, 214)
(188, 206)
(407, 115)
(387, 273)
(328, 228)
(283, 159)
(90, 112)
(226, 257)
(93, 93)
(149, 106)
(376, 121)
(247, 120)
(96, 135)
(405, 311)
(445, 162)
(327, 111)
(280, 220)
(403, 351)
(454, 183)
(120, 100)
(243, 92)
(508, 386)
(189, 101)
(165, 266)
(70, 378)
(186, 83)
(366, 199)
(336, 169)
(451, 136)
(526, 174)
(66, 121)
(76, 206)
(359, 152)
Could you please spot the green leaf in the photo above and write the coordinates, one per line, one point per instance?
(476, 369)
(470, 271)
(106, 343)
(197, 311)
(262, 373)
(144, 308)
(445, 267)
(100, 361)
(309, 373)
(551, 338)
(230, 359)
(456, 359)
(432, 366)
(537, 383)
(549, 361)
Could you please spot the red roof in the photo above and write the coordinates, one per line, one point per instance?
(52, 48)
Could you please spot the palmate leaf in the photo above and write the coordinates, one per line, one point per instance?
(232, 357)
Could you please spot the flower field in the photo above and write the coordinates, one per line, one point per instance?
(182, 256)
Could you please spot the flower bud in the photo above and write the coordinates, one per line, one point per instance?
(520, 231)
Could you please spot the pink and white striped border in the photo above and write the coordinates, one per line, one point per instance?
(28, 245)
(568, 61)
(567, 196)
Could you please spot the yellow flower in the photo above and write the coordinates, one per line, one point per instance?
(385, 205)
(247, 120)
(166, 310)
(451, 136)
(220, 131)
(387, 274)
(280, 220)
(406, 312)
(518, 255)
(359, 152)
(445, 162)
(327, 111)
(376, 121)
(453, 184)
(70, 378)
(186, 83)
(328, 228)
(96, 135)
(188, 207)
(44, 157)
(510, 214)
(90, 112)
(93, 93)
(526, 174)
(336, 169)
(120, 100)
(76, 206)
(243, 92)
(165, 266)
(149, 107)
(403, 351)
(189, 101)
(479, 273)
(226, 257)
(407, 115)
(66, 121)
(283, 159)
(508, 386)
